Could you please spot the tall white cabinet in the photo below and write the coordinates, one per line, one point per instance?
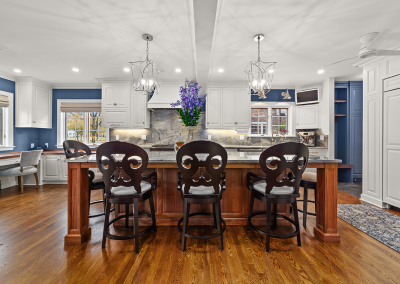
(33, 103)
(381, 134)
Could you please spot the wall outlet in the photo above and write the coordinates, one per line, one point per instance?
(32, 145)
(46, 145)
(209, 137)
(143, 137)
(116, 137)
(241, 137)
(322, 137)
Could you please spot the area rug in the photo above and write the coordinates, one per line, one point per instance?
(377, 223)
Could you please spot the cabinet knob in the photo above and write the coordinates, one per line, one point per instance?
(114, 124)
(115, 104)
(34, 122)
(143, 122)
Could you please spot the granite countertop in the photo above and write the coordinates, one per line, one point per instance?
(148, 146)
(233, 157)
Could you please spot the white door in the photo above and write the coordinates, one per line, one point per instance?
(63, 169)
(391, 147)
(228, 108)
(242, 108)
(213, 108)
(307, 116)
(108, 96)
(115, 118)
(42, 100)
(123, 95)
(51, 165)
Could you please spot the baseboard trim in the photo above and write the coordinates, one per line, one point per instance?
(373, 201)
(55, 182)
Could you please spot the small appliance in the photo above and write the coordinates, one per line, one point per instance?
(307, 138)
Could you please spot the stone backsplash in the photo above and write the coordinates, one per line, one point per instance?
(166, 128)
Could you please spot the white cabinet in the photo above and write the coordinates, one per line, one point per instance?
(54, 169)
(228, 108)
(307, 116)
(140, 112)
(116, 104)
(33, 104)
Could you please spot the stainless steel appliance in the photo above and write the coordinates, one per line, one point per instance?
(307, 138)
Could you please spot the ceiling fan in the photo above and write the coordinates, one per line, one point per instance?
(370, 44)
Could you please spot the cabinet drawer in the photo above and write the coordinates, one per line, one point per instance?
(115, 118)
(391, 83)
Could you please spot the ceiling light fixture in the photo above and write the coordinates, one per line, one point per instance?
(17, 70)
(259, 74)
(126, 69)
(177, 70)
(220, 70)
(146, 74)
(321, 71)
(75, 69)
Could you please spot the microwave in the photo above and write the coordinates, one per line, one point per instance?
(310, 96)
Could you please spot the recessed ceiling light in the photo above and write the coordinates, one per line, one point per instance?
(126, 69)
(75, 69)
(220, 70)
(177, 70)
(17, 70)
(321, 71)
(271, 71)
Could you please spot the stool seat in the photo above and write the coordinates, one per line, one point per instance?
(98, 177)
(130, 190)
(16, 171)
(307, 176)
(260, 186)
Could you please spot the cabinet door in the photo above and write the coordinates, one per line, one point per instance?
(213, 109)
(356, 126)
(391, 147)
(123, 95)
(140, 113)
(63, 169)
(115, 118)
(42, 101)
(51, 169)
(108, 96)
(228, 108)
(242, 108)
(23, 105)
(307, 116)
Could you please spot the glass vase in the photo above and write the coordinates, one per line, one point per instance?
(190, 136)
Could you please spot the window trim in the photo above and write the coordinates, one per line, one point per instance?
(291, 106)
(61, 121)
(8, 123)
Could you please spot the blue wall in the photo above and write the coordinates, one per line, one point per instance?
(274, 96)
(23, 137)
(50, 135)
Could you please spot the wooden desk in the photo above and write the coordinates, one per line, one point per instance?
(169, 206)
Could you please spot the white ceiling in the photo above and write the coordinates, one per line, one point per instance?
(46, 38)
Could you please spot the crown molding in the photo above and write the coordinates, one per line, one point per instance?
(7, 76)
(29, 79)
(76, 86)
(242, 84)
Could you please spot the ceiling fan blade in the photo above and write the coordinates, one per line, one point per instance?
(376, 43)
(340, 61)
(388, 53)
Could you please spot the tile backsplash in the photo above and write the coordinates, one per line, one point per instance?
(166, 128)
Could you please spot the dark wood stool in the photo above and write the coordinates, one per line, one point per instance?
(308, 181)
(206, 190)
(122, 165)
(274, 190)
(75, 149)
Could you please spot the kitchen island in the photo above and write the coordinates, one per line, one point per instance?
(234, 203)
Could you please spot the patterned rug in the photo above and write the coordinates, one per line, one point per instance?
(377, 223)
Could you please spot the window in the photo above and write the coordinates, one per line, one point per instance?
(259, 117)
(84, 126)
(6, 121)
(279, 120)
(1, 126)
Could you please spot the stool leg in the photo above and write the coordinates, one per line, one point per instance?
(315, 196)
(106, 220)
(268, 230)
(250, 211)
(89, 192)
(275, 214)
(296, 221)
(136, 223)
(153, 213)
(215, 217)
(305, 203)
(220, 237)
(186, 208)
(127, 215)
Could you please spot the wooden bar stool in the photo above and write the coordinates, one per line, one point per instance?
(273, 189)
(308, 181)
(122, 165)
(213, 158)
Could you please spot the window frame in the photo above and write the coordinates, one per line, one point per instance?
(8, 123)
(291, 106)
(61, 118)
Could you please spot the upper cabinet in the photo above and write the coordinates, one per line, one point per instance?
(140, 113)
(33, 103)
(228, 108)
(116, 95)
(307, 116)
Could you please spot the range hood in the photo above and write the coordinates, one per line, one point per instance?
(168, 94)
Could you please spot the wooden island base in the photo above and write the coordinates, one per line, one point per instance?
(235, 200)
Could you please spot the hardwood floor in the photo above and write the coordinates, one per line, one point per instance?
(33, 226)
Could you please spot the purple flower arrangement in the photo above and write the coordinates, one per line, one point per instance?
(283, 130)
(191, 103)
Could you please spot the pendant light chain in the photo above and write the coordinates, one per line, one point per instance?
(147, 52)
(258, 39)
